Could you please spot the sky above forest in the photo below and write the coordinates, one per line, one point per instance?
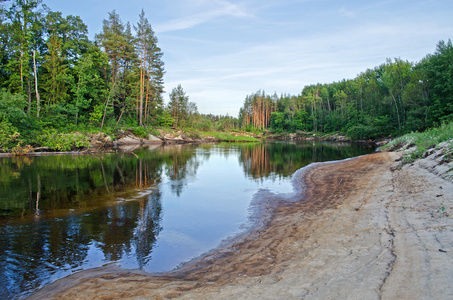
(222, 50)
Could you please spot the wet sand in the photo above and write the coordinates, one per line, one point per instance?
(366, 229)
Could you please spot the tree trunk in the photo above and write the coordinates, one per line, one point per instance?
(106, 104)
(397, 113)
(38, 104)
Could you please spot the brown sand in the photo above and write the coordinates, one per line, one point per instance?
(363, 231)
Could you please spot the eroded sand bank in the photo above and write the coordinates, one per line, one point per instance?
(364, 231)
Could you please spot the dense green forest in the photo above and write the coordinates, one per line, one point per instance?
(55, 81)
(394, 98)
(53, 77)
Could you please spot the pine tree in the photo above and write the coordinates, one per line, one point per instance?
(112, 41)
(151, 66)
(178, 105)
(55, 79)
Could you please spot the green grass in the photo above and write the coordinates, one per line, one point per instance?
(422, 141)
(227, 137)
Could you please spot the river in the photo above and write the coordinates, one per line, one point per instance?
(151, 209)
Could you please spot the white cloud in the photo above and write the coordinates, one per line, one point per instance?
(287, 65)
(221, 8)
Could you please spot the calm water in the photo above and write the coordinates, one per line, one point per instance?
(151, 209)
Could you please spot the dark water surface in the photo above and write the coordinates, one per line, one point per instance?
(151, 209)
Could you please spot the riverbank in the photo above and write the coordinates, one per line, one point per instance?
(85, 143)
(369, 227)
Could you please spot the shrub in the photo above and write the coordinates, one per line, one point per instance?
(140, 131)
(9, 135)
(62, 142)
(361, 132)
(205, 125)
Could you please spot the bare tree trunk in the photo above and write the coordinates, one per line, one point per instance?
(21, 69)
(106, 104)
(142, 83)
(146, 102)
(38, 104)
(397, 113)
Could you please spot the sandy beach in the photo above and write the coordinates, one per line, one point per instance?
(367, 228)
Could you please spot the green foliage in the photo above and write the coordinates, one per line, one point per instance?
(56, 78)
(12, 107)
(394, 98)
(59, 116)
(62, 142)
(440, 70)
(77, 83)
(179, 106)
(205, 125)
(140, 131)
(250, 128)
(164, 120)
(423, 141)
(97, 113)
(9, 135)
(361, 132)
(277, 121)
(226, 137)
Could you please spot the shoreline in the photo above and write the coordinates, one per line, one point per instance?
(342, 240)
(100, 143)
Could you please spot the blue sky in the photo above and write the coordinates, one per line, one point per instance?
(222, 50)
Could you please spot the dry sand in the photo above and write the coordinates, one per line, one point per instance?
(366, 229)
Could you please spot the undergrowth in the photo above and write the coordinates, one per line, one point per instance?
(422, 141)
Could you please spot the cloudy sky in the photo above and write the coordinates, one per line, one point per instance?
(222, 50)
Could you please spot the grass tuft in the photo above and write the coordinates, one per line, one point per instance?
(422, 141)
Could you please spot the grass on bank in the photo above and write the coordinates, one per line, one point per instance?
(422, 141)
(228, 137)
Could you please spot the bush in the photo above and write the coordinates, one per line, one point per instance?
(361, 132)
(206, 125)
(62, 142)
(164, 120)
(12, 111)
(9, 136)
(59, 116)
(140, 131)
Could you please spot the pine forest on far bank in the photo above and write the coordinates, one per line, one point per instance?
(55, 80)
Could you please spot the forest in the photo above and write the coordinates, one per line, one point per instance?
(55, 81)
(392, 99)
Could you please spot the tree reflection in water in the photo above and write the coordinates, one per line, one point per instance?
(54, 208)
(282, 159)
(60, 214)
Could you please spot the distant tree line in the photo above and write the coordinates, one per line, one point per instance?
(394, 98)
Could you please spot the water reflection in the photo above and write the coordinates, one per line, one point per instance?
(284, 158)
(60, 214)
